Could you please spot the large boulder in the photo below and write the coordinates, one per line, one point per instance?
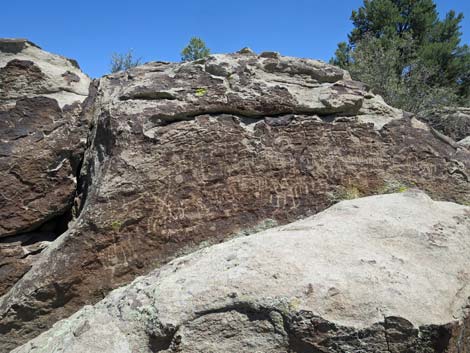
(42, 141)
(185, 155)
(387, 273)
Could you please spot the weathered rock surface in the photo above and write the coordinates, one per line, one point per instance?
(388, 273)
(28, 71)
(42, 141)
(453, 122)
(184, 155)
(465, 142)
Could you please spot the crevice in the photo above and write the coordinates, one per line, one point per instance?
(35, 239)
(33, 252)
(44, 233)
(253, 312)
(387, 339)
(151, 95)
(81, 190)
(158, 343)
(85, 169)
(439, 336)
(245, 117)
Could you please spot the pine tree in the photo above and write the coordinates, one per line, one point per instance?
(196, 49)
(412, 30)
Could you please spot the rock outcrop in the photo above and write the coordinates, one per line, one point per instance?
(465, 142)
(42, 141)
(386, 273)
(180, 156)
(453, 122)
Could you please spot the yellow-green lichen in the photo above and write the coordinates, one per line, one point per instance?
(393, 186)
(349, 192)
(201, 91)
(116, 225)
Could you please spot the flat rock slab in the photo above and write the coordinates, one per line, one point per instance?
(386, 273)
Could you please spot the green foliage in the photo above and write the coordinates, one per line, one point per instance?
(388, 18)
(407, 54)
(195, 50)
(121, 62)
(378, 63)
(342, 56)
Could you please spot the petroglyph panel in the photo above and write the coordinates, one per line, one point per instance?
(266, 140)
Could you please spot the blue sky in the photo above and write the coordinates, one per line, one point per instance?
(90, 31)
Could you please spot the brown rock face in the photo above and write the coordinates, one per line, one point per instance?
(39, 161)
(182, 155)
(41, 148)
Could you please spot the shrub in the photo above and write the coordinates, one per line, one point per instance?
(122, 62)
(377, 61)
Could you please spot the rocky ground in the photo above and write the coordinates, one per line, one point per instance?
(105, 181)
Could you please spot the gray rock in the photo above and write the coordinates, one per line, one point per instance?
(451, 121)
(387, 273)
(270, 54)
(246, 51)
(244, 85)
(465, 142)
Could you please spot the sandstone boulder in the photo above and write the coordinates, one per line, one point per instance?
(185, 155)
(42, 141)
(386, 273)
